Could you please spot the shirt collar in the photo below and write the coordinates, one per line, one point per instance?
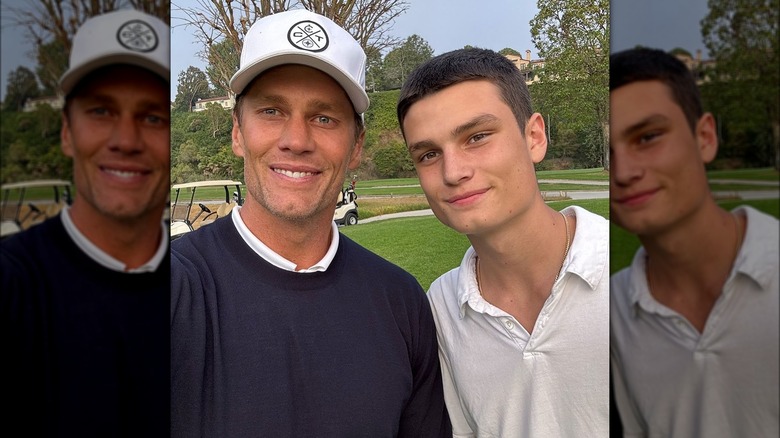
(103, 258)
(757, 256)
(277, 260)
(588, 258)
(752, 260)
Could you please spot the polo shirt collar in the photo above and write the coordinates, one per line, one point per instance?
(588, 258)
(751, 261)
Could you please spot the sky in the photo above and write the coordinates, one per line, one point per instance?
(660, 24)
(447, 25)
(505, 23)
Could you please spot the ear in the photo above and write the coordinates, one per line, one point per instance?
(707, 137)
(535, 137)
(237, 138)
(357, 152)
(66, 137)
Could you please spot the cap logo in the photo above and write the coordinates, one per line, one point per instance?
(308, 35)
(137, 36)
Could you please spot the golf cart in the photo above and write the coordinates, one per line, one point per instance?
(44, 199)
(181, 213)
(346, 208)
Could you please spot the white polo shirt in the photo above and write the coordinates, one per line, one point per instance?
(671, 381)
(499, 381)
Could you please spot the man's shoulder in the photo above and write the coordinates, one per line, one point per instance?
(589, 218)
(620, 280)
(361, 259)
(205, 240)
(445, 287)
(35, 240)
(625, 284)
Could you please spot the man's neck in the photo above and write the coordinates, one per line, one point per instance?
(303, 243)
(688, 266)
(518, 264)
(133, 242)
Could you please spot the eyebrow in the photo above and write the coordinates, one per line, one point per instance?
(481, 119)
(315, 105)
(469, 125)
(143, 105)
(652, 119)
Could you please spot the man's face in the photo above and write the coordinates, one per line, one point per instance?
(657, 164)
(117, 130)
(475, 164)
(297, 138)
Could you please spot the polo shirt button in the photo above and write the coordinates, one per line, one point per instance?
(509, 324)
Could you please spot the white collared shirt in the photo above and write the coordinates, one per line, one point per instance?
(103, 258)
(672, 381)
(275, 259)
(499, 381)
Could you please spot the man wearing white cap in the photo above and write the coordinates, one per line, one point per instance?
(281, 326)
(85, 295)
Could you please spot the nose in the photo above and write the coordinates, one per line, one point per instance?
(126, 135)
(456, 167)
(625, 169)
(296, 135)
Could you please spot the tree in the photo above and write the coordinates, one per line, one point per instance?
(223, 62)
(49, 21)
(572, 36)
(20, 87)
(373, 70)
(741, 35)
(369, 21)
(402, 60)
(52, 64)
(219, 119)
(192, 85)
(509, 51)
(679, 51)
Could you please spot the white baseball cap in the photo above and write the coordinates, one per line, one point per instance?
(306, 38)
(125, 36)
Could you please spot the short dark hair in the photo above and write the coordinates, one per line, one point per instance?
(645, 64)
(238, 110)
(464, 65)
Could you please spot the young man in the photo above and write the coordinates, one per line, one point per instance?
(85, 295)
(282, 326)
(694, 319)
(523, 322)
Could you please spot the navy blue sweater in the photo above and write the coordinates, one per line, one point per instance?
(259, 351)
(85, 348)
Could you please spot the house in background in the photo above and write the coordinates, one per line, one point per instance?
(527, 66)
(56, 102)
(226, 102)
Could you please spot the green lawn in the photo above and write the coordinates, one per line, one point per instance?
(426, 248)
(597, 174)
(764, 174)
(399, 190)
(718, 187)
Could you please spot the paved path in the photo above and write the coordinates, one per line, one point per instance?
(601, 194)
(574, 181)
(415, 213)
(541, 181)
(748, 194)
(746, 182)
